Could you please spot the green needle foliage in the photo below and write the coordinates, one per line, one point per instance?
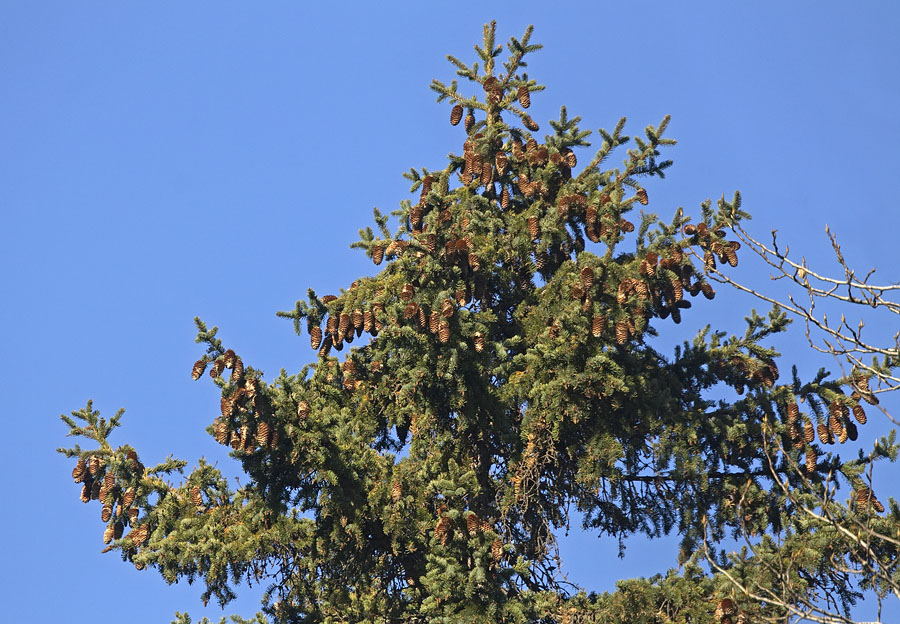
(505, 381)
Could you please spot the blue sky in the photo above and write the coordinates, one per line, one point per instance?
(216, 159)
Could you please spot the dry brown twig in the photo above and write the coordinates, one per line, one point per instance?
(842, 340)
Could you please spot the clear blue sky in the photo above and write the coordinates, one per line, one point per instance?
(166, 160)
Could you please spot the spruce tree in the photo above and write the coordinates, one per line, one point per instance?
(503, 377)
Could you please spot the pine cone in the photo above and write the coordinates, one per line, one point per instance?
(470, 121)
(444, 332)
(501, 161)
(642, 197)
(487, 174)
(529, 123)
(587, 278)
(478, 338)
(108, 534)
(303, 409)
(140, 534)
(825, 435)
(263, 433)
(411, 310)
(79, 471)
(731, 256)
(524, 96)
(859, 414)
(811, 460)
(94, 465)
(621, 332)
(237, 373)
(725, 608)
(707, 290)
(809, 433)
(434, 322)
(569, 157)
(474, 262)
(456, 114)
(343, 324)
(396, 491)
(534, 227)
(377, 253)
(407, 292)
(597, 325)
(217, 368)
(86, 491)
(220, 431)
(315, 337)
(229, 358)
(128, 498)
(497, 550)
(504, 198)
(198, 369)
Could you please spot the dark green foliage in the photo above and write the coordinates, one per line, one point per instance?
(424, 476)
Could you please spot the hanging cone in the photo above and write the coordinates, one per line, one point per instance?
(368, 321)
(851, 430)
(626, 226)
(442, 530)
(540, 260)
(434, 322)
(531, 145)
(587, 277)
(226, 405)
(343, 324)
(504, 198)
(473, 524)
(487, 174)
(497, 550)
(198, 369)
(407, 292)
(108, 534)
(534, 227)
(809, 433)
(315, 337)
(474, 262)
(86, 492)
(621, 332)
(79, 470)
(569, 156)
(597, 324)
(707, 290)
(140, 534)
(844, 435)
(470, 121)
(478, 338)
(237, 373)
(220, 431)
(859, 414)
(518, 150)
(447, 308)
(415, 217)
(709, 261)
(377, 253)
(94, 464)
(217, 368)
(524, 96)
(196, 496)
(95, 489)
(731, 256)
(444, 332)
(263, 433)
(229, 358)
(461, 296)
(529, 123)
(811, 460)
(501, 161)
(863, 497)
(577, 291)
(396, 491)
(411, 310)
(456, 114)
(642, 197)
(109, 481)
(303, 409)
(133, 515)
(793, 412)
(825, 436)
(358, 318)
(128, 497)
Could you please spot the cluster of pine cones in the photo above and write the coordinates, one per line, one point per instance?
(112, 481)
(241, 423)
